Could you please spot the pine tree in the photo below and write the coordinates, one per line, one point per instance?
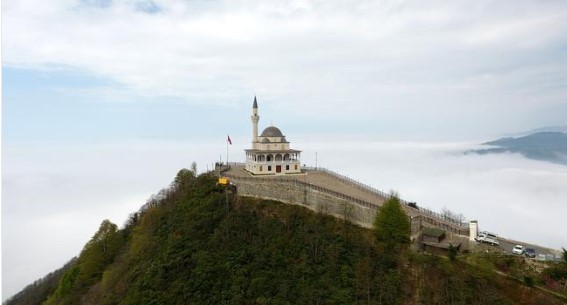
(392, 226)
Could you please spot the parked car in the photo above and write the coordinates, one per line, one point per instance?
(518, 249)
(529, 252)
(489, 238)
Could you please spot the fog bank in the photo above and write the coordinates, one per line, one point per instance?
(55, 197)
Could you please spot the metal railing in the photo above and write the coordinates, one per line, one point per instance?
(385, 195)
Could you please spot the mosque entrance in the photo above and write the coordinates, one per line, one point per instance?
(278, 168)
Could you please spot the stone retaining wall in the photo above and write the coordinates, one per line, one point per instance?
(315, 197)
(299, 193)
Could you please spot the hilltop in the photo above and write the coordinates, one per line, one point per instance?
(195, 243)
(545, 146)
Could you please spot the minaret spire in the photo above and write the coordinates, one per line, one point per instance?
(255, 118)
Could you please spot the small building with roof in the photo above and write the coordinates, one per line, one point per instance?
(433, 240)
(270, 153)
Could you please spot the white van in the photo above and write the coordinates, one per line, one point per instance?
(487, 237)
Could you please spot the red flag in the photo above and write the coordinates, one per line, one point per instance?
(229, 141)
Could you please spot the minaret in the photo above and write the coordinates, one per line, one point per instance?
(255, 118)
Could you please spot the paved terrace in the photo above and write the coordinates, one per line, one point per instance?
(331, 182)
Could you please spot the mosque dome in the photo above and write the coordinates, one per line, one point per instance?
(272, 131)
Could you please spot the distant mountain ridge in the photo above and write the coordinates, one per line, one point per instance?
(548, 146)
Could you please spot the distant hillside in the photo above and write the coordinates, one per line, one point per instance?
(545, 146)
(188, 246)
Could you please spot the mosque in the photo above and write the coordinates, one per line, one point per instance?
(270, 153)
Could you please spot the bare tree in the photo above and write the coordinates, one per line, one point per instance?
(455, 217)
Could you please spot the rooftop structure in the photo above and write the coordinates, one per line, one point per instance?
(270, 153)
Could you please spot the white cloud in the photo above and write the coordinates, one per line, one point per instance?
(323, 52)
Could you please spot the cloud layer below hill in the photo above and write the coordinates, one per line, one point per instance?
(55, 197)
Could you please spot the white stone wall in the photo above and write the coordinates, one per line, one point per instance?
(270, 168)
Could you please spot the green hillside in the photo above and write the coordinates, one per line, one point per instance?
(187, 246)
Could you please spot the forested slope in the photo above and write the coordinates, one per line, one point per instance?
(187, 246)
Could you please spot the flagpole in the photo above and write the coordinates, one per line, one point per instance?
(228, 141)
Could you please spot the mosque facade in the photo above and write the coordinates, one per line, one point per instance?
(270, 153)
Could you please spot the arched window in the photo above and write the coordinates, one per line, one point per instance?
(269, 158)
(278, 158)
(286, 157)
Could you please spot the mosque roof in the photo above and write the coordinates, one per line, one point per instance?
(272, 131)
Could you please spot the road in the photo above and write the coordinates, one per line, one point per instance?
(506, 246)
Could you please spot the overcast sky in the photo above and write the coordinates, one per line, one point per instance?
(103, 101)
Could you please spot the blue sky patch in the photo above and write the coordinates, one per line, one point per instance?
(148, 7)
